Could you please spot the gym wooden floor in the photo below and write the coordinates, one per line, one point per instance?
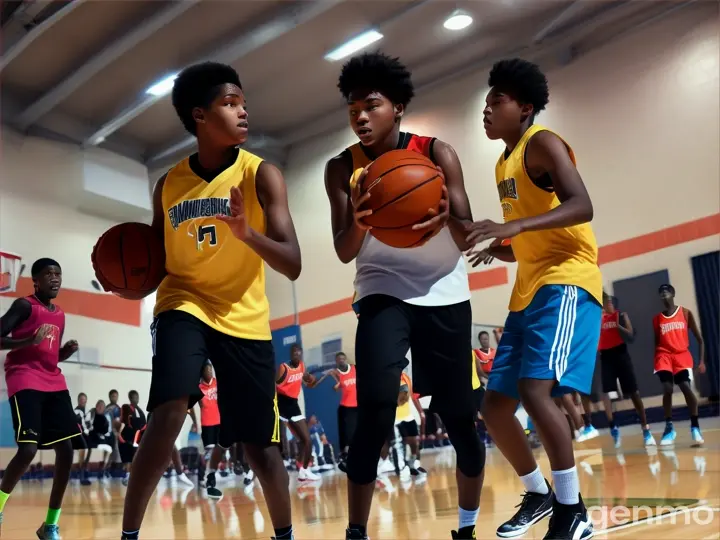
(682, 484)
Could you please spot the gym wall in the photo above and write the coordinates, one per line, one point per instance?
(642, 116)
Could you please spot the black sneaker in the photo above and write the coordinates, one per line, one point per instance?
(570, 521)
(466, 533)
(354, 534)
(212, 491)
(533, 508)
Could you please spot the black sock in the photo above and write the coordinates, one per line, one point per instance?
(668, 422)
(130, 535)
(613, 423)
(284, 534)
(694, 422)
(356, 531)
(586, 420)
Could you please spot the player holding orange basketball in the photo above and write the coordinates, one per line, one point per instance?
(42, 413)
(222, 213)
(406, 298)
(673, 360)
(290, 378)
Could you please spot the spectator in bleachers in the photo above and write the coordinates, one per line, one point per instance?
(113, 412)
(132, 424)
(80, 443)
(319, 446)
(100, 436)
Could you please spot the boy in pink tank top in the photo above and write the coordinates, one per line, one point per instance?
(42, 412)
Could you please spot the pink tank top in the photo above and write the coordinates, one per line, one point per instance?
(35, 367)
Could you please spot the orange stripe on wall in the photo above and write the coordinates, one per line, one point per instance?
(104, 307)
(112, 308)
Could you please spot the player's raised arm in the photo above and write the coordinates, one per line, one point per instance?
(460, 212)
(279, 245)
(348, 236)
(18, 313)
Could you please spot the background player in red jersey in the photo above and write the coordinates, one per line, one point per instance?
(616, 364)
(673, 361)
(42, 412)
(290, 378)
(210, 428)
(344, 375)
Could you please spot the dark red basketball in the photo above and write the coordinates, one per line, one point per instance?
(129, 260)
(403, 186)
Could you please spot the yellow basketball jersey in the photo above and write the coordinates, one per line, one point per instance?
(566, 256)
(403, 411)
(211, 274)
(475, 378)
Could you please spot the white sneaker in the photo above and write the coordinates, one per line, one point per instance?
(306, 475)
(385, 466)
(405, 473)
(182, 477)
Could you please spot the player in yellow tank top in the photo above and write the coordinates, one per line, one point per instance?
(550, 338)
(222, 214)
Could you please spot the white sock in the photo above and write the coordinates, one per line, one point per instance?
(535, 482)
(467, 517)
(567, 486)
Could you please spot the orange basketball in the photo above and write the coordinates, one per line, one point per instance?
(129, 260)
(403, 186)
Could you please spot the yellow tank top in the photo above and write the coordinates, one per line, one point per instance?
(211, 274)
(475, 378)
(567, 256)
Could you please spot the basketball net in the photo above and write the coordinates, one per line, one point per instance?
(10, 264)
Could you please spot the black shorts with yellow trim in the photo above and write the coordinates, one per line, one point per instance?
(43, 418)
(245, 370)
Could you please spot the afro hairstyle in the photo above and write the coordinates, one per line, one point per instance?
(522, 80)
(377, 72)
(198, 86)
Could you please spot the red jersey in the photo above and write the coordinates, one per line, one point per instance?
(671, 333)
(348, 390)
(292, 383)
(35, 367)
(209, 411)
(609, 334)
(485, 359)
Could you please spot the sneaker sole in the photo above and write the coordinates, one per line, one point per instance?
(520, 532)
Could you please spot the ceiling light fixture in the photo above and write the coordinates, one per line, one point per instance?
(458, 20)
(354, 45)
(163, 86)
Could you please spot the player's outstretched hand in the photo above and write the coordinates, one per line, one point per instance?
(436, 219)
(476, 258)
(237, 220)
(487, 229)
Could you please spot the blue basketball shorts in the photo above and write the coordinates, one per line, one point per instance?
(554, 338)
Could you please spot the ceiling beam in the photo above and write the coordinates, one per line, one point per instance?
(262, 34)
(101, 60)
(561, 18)
(528, 51)
(14, 50)
(264, 141)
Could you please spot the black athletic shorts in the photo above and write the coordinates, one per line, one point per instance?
(289, 409)
(347, 421)
(210, 435)
(245, 370)
(408, 429)
(439, 338)
(616, 364)
(668, 377)
(43, 418)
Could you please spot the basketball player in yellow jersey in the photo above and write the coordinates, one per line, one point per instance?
(550, 339)
(222, 213)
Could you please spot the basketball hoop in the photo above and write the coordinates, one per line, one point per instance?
(10, 267)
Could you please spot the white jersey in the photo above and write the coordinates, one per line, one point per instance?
(430, 275)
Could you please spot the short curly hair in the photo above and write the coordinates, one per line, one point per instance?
(378, 72)
(522, 80)
(198, 86)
